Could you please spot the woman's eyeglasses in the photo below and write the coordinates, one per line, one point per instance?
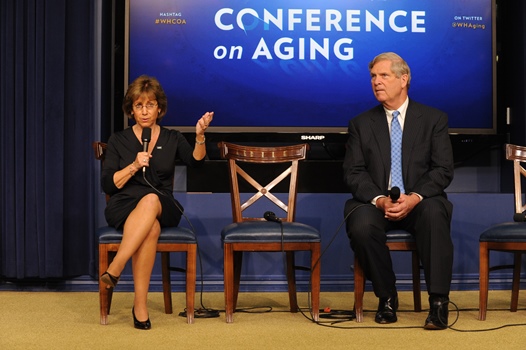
(140, 106)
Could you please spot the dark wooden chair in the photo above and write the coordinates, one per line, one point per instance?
(255, 234)
(171, 239)
(397, 240)
(505, 237)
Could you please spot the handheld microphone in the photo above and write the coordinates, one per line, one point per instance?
(394, 194)
(146, 136)
(270, 216)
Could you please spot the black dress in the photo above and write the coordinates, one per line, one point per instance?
(122, 149)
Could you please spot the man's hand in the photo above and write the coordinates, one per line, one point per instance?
(396, 211)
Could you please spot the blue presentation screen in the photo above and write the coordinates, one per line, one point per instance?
(303, 65)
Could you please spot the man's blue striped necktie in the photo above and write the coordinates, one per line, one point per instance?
(396, 153)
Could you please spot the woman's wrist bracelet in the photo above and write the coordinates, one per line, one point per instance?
(200, 142)
(132, 168)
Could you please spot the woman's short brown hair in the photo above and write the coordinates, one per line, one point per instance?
(145, 85)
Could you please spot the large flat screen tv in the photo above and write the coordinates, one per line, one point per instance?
(300, 67)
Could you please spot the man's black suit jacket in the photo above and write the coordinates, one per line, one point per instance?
(427, 156)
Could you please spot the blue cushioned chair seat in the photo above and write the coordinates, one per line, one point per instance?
(267, 232)
(399, 236)
(168, 235)
(506, 232)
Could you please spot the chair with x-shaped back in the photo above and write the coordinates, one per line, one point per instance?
(505, 237)
(269, 234)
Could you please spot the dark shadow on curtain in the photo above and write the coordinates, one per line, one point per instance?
(46, 130)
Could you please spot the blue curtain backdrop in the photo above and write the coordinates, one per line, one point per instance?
(46, 116)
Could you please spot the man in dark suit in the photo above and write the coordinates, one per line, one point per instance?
(422, 209)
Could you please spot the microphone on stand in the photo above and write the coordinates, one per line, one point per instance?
(146, 136)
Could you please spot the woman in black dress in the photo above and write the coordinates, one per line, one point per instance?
(139, 183)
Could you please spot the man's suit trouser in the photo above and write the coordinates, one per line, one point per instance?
(429, 222)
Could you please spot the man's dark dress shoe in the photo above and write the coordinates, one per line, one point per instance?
(387, 310)
(438, 312)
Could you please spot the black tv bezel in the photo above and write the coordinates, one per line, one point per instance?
(319, 137)
(295, 134)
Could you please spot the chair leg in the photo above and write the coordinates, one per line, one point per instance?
(228, 273)
(191, 270)
(291, 279)
(167, 286)
(483, 279)
(359, 289)
(238, 262)
(517, 260)
(315, 281)
(417, 301)
(103, 291)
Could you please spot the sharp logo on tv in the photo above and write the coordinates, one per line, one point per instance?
(313, 137)
(303, 65)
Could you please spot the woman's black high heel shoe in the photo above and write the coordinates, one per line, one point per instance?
(110, 280)
(141, 324)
